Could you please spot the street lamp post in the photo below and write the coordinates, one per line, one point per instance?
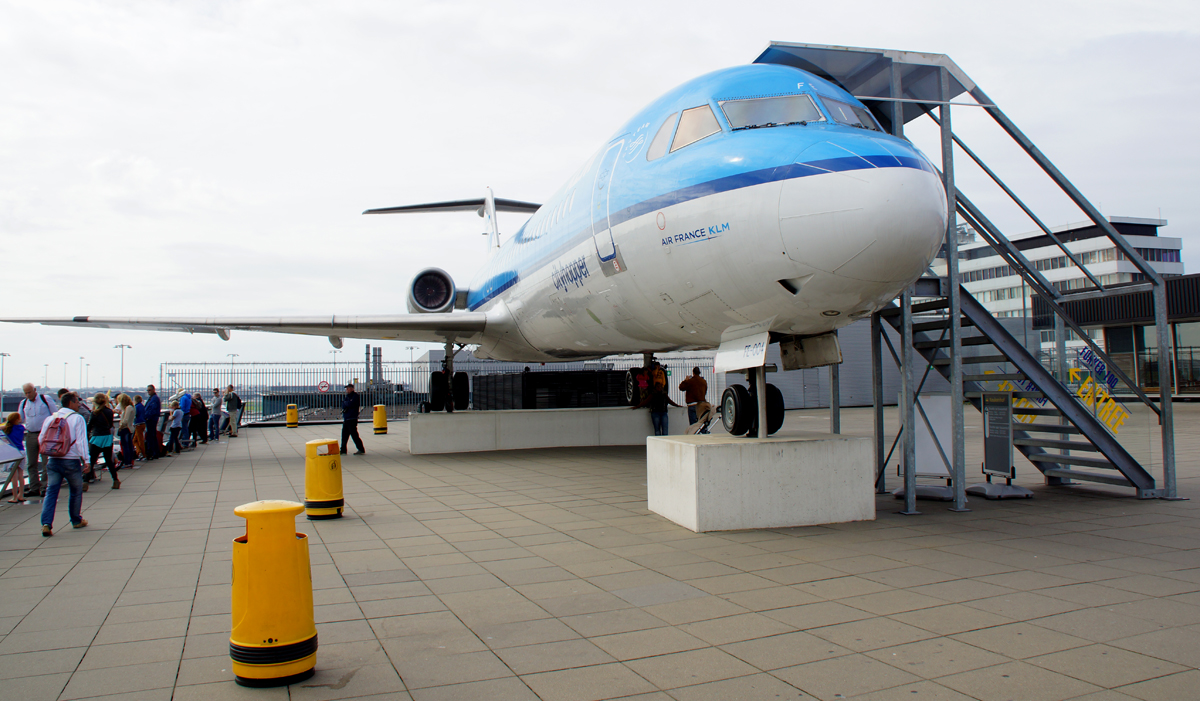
(87, 376)
(81, 372)
(335, 351)
(231, 357)
(2, 357)
(46, 376)
(122, 346)
(64, 373)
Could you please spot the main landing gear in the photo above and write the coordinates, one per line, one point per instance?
(448, 390)
(739, 409)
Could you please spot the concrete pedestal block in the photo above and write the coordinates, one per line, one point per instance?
(518, 429)
(722, 483)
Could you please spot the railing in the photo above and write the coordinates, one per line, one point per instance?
(317, 388)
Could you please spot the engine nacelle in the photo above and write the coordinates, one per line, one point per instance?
(432, 291)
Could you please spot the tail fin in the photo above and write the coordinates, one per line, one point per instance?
(488, 212)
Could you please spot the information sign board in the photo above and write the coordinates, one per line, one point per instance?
(997, 434)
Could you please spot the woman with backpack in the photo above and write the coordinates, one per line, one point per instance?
(100, 429)
(125, 428)
(14, 433)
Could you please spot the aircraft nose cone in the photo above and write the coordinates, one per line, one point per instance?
(878, 223)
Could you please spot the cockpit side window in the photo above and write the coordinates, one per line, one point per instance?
(851, 115)
(695, 124)
(658, 147)
(771, 111)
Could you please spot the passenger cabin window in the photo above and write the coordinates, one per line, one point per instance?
(658, 147)
(851, 115)
(695, 124)
(771, 111)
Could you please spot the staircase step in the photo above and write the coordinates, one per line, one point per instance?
(993, 377)
(1098, 463)
(1045, 428)
(917, 308)
(1016, 395)
(939, 325)
(1087, 476)
(945, 342)
(975, 360)
(1035, 411)
(1059, 445)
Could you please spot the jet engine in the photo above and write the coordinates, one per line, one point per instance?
(431, 292)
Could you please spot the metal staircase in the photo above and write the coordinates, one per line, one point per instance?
(1075, 429)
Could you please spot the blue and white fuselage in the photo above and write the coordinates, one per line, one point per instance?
(754, 195)
(707, 210)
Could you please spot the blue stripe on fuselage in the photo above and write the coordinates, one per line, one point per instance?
(500, 282)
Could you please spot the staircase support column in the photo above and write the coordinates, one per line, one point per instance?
(907, 408)
(959, 458)
(877, 402)
(1166, 364)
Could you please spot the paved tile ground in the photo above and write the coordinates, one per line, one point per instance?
(541, 575)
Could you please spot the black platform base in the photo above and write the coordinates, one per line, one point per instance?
(278, 681)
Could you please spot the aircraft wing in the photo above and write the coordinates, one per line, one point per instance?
(478, 206)
(461, 327)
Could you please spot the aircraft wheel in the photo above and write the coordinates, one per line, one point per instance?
(737, 410)
(437, 391)
(462, 391)
(423, 408)
(633, 393)
(774, 409)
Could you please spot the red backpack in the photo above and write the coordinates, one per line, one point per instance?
(55, 440)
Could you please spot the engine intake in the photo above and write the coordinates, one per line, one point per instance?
(431, 292)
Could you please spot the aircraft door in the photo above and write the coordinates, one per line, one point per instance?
(606, 249)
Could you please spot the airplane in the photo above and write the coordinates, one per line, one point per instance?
(754, 204)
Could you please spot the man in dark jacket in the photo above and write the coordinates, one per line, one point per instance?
(153, 409)
(350, 421)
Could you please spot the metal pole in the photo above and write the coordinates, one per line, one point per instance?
(81, 372)
(877, 401)
(835, 399)
(760, 383)
(906, 408)
(957, 421)
(1167, 415)
(2, 357)
(122, 346)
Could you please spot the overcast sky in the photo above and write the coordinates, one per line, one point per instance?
(213, 158)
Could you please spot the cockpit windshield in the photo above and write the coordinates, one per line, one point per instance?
(770, 111)
(851, 115)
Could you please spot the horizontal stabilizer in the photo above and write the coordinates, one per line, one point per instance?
(475, 205)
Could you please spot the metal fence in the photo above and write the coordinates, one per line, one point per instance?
(317, 388)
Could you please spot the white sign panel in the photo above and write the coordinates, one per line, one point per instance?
(743, 346)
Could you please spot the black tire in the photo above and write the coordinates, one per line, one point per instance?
(737, 410)
(423, 408)
(774, 409)
(437, 391)
(633, 393)
(462, 391)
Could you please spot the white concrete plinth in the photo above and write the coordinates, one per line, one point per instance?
(517, 429)
(723, 483)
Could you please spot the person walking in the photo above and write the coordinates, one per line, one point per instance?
(34, 409)
(350, 406)
(101, 439)
(139, 427)
(185, 405)
(176, 427)
(68, 467)
(199, 424)
(154, 447)
(125, 428)
(214, 416)
(14, 433)
(233, 404)
(694, 388)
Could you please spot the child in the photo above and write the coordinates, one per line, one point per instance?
(14, 431)
(176, 427)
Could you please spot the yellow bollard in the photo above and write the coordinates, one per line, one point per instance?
(322, 480)
(380, 417)
(293, 416)
(274, 637)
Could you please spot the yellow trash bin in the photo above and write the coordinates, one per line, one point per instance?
(322, 480)
(293, 416)
(380, 417)
(274, 637)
